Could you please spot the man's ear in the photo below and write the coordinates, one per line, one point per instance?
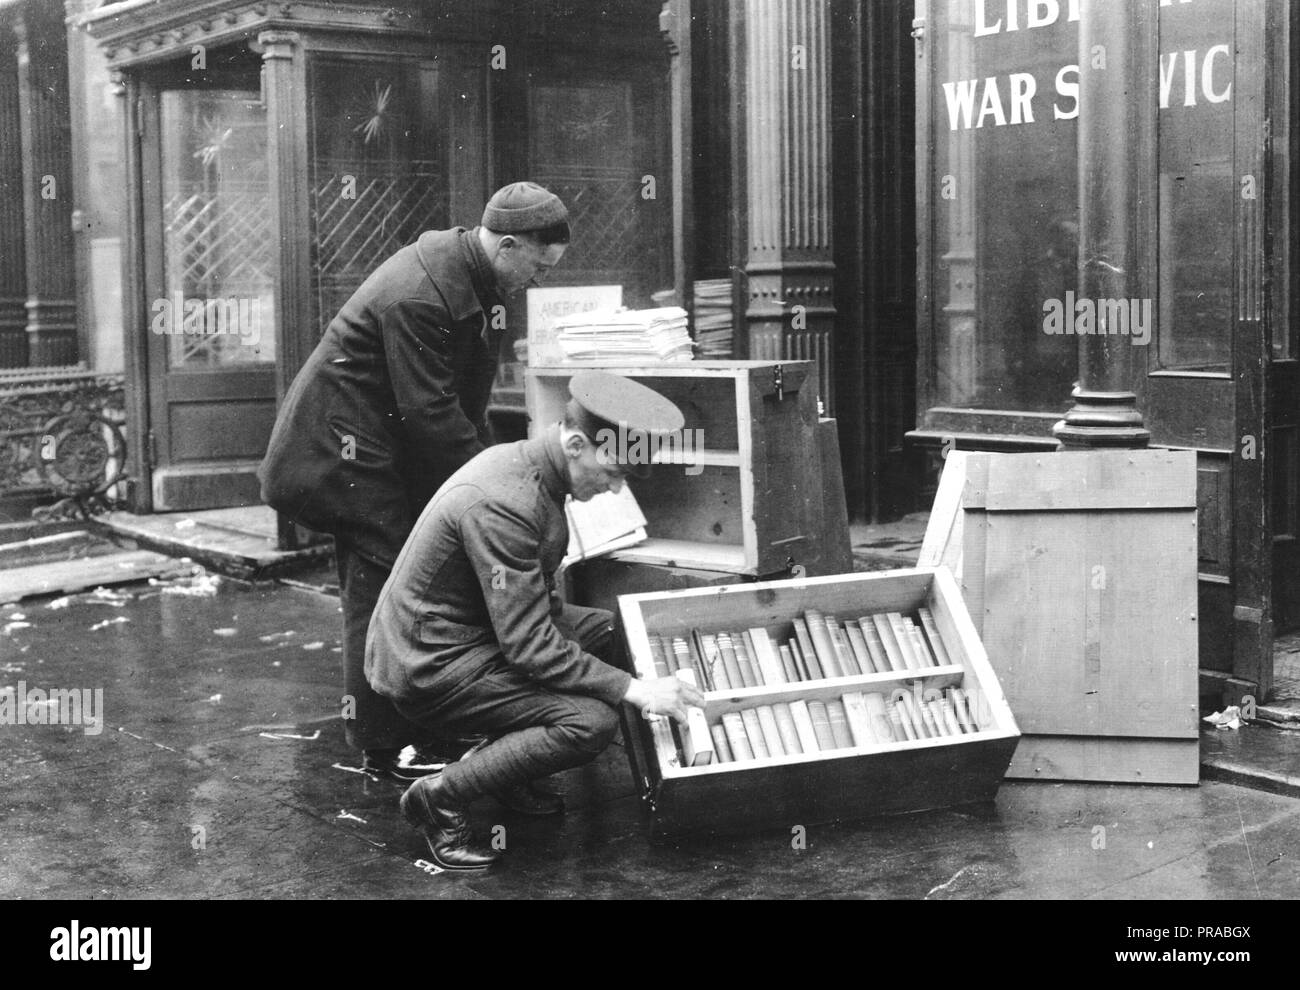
(573, 445)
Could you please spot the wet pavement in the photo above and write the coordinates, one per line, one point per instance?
(183, 795)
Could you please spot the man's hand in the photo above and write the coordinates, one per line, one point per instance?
(664, 696)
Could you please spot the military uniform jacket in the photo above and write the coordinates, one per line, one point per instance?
(392, 400)
(476, 579)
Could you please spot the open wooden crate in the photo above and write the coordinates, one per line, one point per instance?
(847, 783)
(748, 500)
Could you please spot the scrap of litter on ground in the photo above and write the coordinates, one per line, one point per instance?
(290, 735)
(1229, 718)
(200, 584)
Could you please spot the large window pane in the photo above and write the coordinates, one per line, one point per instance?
(219, 307)
(397, 149)
(1005, 200)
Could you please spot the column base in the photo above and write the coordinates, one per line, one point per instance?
(51, 332)
(1102, 419)
(13, 333)
(1073, 437)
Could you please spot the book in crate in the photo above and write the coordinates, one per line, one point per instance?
(823, 649)
(827, 699)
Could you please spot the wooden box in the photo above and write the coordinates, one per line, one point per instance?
(1080, 573)
(747, 499)
(601, 581)
(842, 783)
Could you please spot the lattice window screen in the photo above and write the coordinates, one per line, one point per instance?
(354, 236)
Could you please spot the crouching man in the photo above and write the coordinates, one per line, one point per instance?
(469, 635)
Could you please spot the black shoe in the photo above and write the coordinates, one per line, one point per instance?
(446, 829)
(533, 798)
(404, 765)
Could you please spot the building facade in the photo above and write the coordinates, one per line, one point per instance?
(276, 154)
(910, 194)
(61, 388)
(1105, 196)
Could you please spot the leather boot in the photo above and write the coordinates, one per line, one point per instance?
(537, 798)
(445, 827)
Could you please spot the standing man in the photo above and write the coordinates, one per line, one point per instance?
(470, 636)
(390, 404)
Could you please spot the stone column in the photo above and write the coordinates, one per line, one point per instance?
(791, 311)
(42, 56)
(1113, 108)
(13, 252)
(285, 73)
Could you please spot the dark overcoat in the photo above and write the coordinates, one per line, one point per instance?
(392, 401)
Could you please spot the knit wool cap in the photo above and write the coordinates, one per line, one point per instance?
(522, 207)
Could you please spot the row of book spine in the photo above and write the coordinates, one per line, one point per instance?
(820, 648)
(854, 721)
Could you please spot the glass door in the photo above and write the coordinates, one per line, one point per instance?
(211, 275)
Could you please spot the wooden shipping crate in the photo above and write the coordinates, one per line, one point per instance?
(840, 783)
(1080, 573)
(749, 500)
(601, 581)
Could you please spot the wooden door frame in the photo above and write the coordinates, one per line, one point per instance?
(1252, 619)
(151, 432)
(284, 81)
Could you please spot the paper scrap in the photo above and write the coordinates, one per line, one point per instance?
(345, 816)
(224, 632)
(109, 622)
(272, 637)
(289, 735)
(340, 766)
(109, 595)
(433, 869)
(200, 585)
(1229, 718)
(11, 626)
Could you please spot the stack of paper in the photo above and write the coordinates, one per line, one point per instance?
(646, 335)
(713, 318)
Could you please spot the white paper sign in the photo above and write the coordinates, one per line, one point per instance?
(545, 306)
